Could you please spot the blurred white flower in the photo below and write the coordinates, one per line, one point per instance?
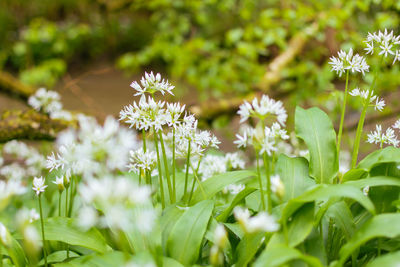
(39, 185)
(262, 222)
(46, 101)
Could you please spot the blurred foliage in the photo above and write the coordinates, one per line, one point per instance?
(222, 48)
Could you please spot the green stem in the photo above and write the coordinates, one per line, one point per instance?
(342, 115)
(187, 170)
(173, 164)
(170, 190)
(361, 121)
(59, 203)
(268, 174)
(72, 193)
(198, 181)
(66, 201)
(194, 181)
(260, 181)
(159, 169)
(144, 140)
(42, 224)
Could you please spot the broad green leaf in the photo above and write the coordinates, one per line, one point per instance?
(238, 198)
(248, 247)
(58, 256)
(388, 260)
(15, 251)
(281, 254)
(383, 225)
(354, 174)
(112, 258)
(65, 230)
(375, 181)
(341, 215)
(314, 246)
(169, 262)
(299, 227)
(294, 175)
(216, 183)
(388, 154)
(316, 129)
(325, 192)
(187, 234)
(169, 218)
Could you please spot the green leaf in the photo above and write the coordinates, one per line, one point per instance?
(248, 247)
(65, 230)
(216, 183)
(375, 181)
(294, 175)
(186, 236)
(281, 254)
(299, 227)
(383, 225)
(341, 215)
(316, 129)
(58, 256)
(324, 192)
(388, 260)
(112, 258)
(168, 220)
(238, 198)
(15, 251)
(388, 154)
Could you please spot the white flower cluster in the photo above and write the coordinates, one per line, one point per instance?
(379, 137)
(265, 140)
(348, 61)
(123, 204)
(49, 102)
(92, 150)
(140, 160)
(262, 222)
(385, 42)
(9, 189)
(39, 185)
(211, 165)
(379, 102)
(262, 110)
(151, 83)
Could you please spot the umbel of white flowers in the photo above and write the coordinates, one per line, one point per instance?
(386, 43)
(389, 137)
(348, 61)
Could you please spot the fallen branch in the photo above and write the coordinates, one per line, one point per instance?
(32, 125)
(12, 86)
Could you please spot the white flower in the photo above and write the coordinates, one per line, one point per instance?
(234, 189)
(262, 109)
(277, 185)
(396, 125)
(347, 61)
(241, 140)
(59, 182)
(380, 104)
(386, 48)
(386, 42)
(366, 190)
(235, 160)
(140, 160)
(4, 235)
(220, 236)
(47, 101)
(380, 138)
(39, 185)
(262, 222)
(151, 84)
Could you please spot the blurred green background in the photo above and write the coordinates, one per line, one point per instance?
(216, 52)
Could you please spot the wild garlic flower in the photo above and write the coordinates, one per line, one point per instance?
(235, 160)
(25, 216)
(60, 183)
(46, 101)
(4, 236)
(396, 125)
(140, 160)
(262, 222)
(348, 61)
(151, 84)
(174, 112)
(220, 236)
(39, 185)
(263, 109)
(9, 189)
(233, 189)
(380, 138)
(366, 190)
(379, 102)
(145, 115)
(386, 43)
(277, 186)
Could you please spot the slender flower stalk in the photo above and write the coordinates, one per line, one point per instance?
(362, 119)
(66, 201)
(342, 115)
(198, 181)
(43, 236)
(260, 181)
(268, 175)
(159, 169)
(169, 184)
(173, 164)
(187, 170)
(197, 171)
(59, 203)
